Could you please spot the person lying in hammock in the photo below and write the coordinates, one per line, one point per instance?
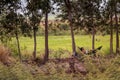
(90, 52)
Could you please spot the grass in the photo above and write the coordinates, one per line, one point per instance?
(99, 68)
(102, 68)
(64, 42)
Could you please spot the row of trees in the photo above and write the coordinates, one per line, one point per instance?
(20, 17)
(93, 15)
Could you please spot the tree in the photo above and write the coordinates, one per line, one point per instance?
(108, 15)
(66, 8)
(87, 16)
(69, 10)
(11, 22)
(46, 11)
(116, 25)
(92, 14)
(111, 33)
(35, 15)
(12, 27)
(114, 10)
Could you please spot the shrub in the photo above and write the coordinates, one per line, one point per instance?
(5, 55)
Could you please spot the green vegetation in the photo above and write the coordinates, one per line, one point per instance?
(64, 42)
(33, 47)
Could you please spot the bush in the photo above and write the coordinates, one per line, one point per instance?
(5, 55)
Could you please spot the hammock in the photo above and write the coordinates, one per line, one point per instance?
(91, 51)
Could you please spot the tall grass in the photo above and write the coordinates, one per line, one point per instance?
(98, 69)
(5, 55)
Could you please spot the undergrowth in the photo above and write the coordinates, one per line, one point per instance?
(98, 69)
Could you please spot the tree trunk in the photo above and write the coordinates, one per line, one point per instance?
(72, 35)
(93, 32)
(18, 45)
(46, 56)
(69, 9)
(117, 35)
(93, 39)
(35, 43)
(111, 34)
(117, 30)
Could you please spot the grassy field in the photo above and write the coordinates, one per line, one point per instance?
(64, 42)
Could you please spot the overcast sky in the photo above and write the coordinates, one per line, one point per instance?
(51, 16)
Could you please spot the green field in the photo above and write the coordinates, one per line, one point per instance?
(64, 42)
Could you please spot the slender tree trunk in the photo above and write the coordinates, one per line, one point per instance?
(93, 39)
(111, 34)
(117, 30)
(93, 34)
(72, 34)
(46, 56)
(69, 8)
(35, 43)
(117, 36)
(18, 45)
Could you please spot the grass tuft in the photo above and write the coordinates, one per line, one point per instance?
(5, 54)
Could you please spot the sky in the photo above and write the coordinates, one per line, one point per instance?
(51, 16)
